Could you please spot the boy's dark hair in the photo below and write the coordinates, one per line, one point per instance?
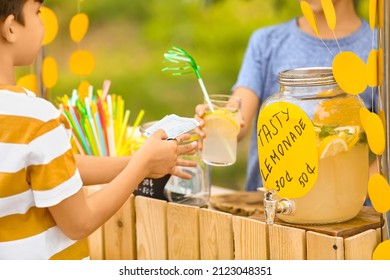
(13, 7)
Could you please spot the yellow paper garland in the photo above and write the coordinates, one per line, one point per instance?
(82, 63)
(50, 23)
(372, 13)
(372, 68)
(309, 15)
(78, 27)
(375, 133)
(379, 192)
(330, 14)
(350, 72)
(29, 82)
(49, 72)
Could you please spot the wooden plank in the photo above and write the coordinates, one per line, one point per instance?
(95, 240)
(216, 235)
(361, 246)
(287, 243)
(324, 247)
(250, 240)
(183, 232)
(151, 226)
(96, 245)
(119, 234)
(378, 235)
(385, 228)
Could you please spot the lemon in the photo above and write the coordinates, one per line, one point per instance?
(351, 135)
(222, 118)
(331, 146)
(339, 111)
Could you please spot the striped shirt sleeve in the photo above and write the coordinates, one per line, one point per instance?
(51, 166)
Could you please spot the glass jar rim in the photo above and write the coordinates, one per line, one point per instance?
(308, 76)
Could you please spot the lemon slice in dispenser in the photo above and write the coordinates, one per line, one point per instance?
(331, 146)
(351, 135)
(341, 111)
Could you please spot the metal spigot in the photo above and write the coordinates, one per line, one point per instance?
(273, 205)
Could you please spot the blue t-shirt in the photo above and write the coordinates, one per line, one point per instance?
(281, 47)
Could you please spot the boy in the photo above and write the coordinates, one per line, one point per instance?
(44, 213)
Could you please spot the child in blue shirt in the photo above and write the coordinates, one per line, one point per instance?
(286, 46)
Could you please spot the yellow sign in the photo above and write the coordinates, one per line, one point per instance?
(288, 155)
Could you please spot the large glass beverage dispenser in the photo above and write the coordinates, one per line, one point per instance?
(340, 189)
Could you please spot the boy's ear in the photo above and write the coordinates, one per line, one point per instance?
(8, 29)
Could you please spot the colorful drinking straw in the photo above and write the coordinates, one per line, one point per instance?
(185, 62)
(100, 123)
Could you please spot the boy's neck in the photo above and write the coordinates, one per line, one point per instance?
(7, 79)
(7, 76)
(347, 22)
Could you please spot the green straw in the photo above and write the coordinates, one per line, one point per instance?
(185, 64)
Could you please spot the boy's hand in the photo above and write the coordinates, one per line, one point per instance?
(158, 155)
(184, 149)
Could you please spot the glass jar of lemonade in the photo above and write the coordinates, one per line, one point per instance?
(341, 187)
(222, 125)
(194, 191)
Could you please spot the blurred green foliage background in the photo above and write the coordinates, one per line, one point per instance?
(129, 38)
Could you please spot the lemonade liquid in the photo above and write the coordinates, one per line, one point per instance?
(221, 128)
(339, 192)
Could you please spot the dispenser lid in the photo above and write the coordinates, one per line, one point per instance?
(310, 76)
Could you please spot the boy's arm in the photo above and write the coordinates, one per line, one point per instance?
(100, 170)
(80, 215)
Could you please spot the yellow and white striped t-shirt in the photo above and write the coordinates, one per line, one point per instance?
(37, 170)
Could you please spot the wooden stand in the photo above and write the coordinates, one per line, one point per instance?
(355, 239)
(150, 229)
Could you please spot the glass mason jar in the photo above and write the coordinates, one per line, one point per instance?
(194, 191)
(343, 170)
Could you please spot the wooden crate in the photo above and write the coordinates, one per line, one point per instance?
(151, 229)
